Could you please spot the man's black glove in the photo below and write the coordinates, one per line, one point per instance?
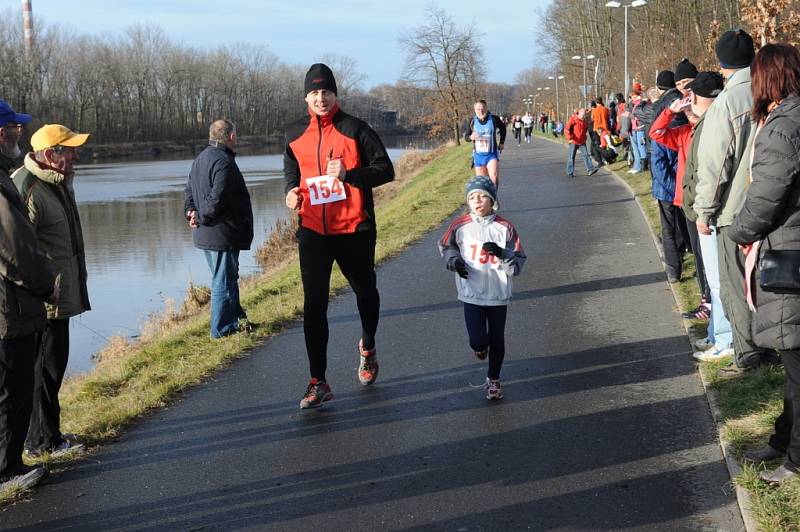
(493, 249)
(460, 268)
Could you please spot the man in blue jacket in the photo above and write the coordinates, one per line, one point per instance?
(218, 209)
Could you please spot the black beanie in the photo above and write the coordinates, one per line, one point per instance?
(707, 84)
(685, 70)
(735, 49)
(665, 80)
(320, 76)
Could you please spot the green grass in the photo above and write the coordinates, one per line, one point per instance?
(144, 376)
(747, 406)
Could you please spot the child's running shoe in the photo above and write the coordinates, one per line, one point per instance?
(481, 355)
(368, 368)
(493, 389)
(317, 393)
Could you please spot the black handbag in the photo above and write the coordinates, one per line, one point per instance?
(779, 271)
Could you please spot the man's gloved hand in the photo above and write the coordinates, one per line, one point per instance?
(460, 268)
(493, 249)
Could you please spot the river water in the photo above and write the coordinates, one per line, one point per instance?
(139, 250)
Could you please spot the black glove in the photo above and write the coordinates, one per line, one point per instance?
(460, 267)
(493, 249)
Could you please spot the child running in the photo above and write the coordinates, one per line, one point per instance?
(484, 251)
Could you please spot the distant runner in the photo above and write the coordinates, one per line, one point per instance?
(482, 131)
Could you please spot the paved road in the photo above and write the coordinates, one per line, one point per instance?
(604, 424)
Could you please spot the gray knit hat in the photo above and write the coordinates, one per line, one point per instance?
(484, 184)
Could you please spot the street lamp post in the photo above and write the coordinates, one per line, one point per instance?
(558, 106)
(635, 3)
(585, 88)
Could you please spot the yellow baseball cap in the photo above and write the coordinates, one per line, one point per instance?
(50, 135)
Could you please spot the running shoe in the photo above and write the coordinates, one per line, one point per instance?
(62, 449)
(25, 477)
(713, 354)
(494, 391)
(317, 393)
(481, 355)
(702, 312)
(703, 344)
(368, 368)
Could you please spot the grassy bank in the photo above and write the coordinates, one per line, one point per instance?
(132, 379)
(746, 407)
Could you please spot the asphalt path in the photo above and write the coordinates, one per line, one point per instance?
(604, 424)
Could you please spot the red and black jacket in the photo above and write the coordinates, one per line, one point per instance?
(310, 142)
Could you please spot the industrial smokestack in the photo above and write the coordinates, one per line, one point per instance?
(27, 20)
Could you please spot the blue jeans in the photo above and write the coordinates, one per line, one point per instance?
(639, 150)
(719, 328)
(574, 148)
(225, 308)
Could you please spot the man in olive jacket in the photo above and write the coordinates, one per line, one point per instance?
(722, 180)
(24, 283)
(45, 184)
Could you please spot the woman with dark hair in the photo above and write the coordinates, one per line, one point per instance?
(770, 220)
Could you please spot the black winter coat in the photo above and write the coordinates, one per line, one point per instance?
(771, 212)
(216, 190)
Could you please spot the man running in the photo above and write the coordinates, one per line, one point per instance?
(331, 164)
(482, 131)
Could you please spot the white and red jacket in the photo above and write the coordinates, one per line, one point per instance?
(489, 279)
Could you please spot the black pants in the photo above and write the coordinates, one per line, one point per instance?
(787, 427)
(486, 327)
(17, 359)
(694, 240)
(674, 237)
(45, 427)
(355, 255)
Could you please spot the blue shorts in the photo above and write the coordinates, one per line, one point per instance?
(482, 159)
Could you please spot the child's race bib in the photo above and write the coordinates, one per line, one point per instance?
(477, 257)
(325, 189)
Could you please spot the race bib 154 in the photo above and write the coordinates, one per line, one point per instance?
(325, 189)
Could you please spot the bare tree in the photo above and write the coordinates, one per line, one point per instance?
(447, 61)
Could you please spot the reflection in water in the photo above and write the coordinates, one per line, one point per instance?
(139, 249)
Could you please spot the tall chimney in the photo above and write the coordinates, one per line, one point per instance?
(27, 19)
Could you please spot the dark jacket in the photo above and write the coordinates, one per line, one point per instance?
(50, 198)
(217, 192)
(771, 212)
(309, 143)
(24, 279)
(663, 160)
(644, 115)
(690, 173)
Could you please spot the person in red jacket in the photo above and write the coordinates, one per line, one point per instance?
(331, 164)
(575, 131)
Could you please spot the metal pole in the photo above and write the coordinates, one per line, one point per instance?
(585, 92)
(626, 52)
(27, 21)
(558, 107)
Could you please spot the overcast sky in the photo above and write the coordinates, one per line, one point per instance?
(301, 31)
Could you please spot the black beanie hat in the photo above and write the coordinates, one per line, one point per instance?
(735, 49)
(685, 70)
(320, 76)
(665, 80)
(707, 84)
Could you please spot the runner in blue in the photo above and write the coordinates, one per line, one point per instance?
(482, 130)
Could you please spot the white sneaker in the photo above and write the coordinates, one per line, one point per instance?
(713, 354)
(25, 479)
